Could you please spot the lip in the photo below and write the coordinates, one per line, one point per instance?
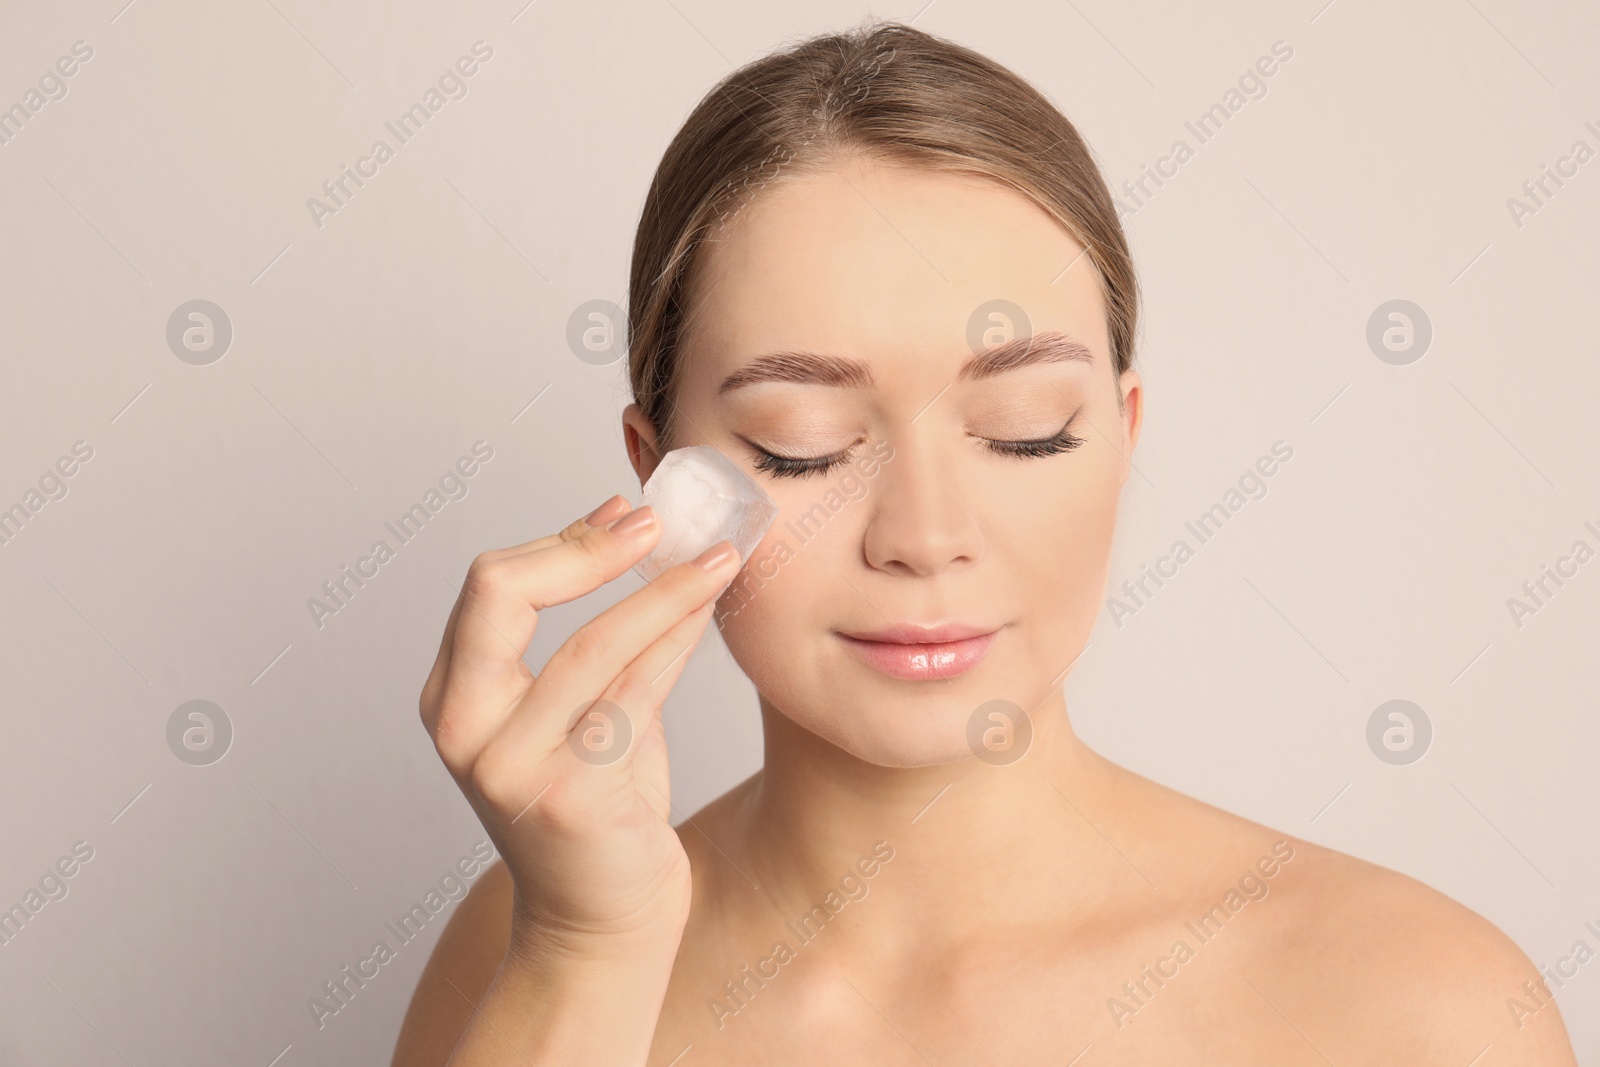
(920, 651)
(920, 633)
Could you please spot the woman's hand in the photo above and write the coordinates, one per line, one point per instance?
(567, 769)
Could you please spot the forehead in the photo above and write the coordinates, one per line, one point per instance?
(876, 261)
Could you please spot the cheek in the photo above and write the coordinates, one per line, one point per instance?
(771, 611)
(815, 520)
(1062, 544)
(767, 623)
(760, 581)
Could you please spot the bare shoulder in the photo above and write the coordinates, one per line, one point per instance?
(1369, 965)
(1393, 970)
(458, 973)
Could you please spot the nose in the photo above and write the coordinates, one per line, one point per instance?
(922, 519)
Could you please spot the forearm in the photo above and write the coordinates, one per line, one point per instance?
(552, 1005)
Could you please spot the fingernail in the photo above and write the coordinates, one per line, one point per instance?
(715, 556)
(634, 522)
(607, 511)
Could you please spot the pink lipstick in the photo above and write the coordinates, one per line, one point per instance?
(920, 651)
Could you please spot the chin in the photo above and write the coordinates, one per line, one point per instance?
(887, 737)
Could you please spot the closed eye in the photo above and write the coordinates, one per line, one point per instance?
(1063, 440)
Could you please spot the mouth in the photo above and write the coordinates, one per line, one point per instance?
(921, 652)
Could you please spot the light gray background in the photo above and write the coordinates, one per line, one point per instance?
(370, 353)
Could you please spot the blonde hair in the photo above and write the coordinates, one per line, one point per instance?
(884, 90)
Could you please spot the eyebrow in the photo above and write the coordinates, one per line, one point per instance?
(812, 368)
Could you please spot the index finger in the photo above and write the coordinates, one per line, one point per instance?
(605, 514)
(483, 674)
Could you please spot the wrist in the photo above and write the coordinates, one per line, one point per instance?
(543, 943)
(563, 996)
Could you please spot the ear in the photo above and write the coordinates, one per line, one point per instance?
(1132, 387)
(640, 436)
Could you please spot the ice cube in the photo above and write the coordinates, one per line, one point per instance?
(702, 497)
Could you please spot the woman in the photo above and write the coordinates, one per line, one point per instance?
(884, 276)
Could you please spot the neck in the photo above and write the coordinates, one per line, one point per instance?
(962, 833)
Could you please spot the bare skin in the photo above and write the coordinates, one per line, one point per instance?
(1024, 913)
(1366, 966)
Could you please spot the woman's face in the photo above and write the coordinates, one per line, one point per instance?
(837, 323)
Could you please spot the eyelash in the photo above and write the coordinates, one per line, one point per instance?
(786, 467)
